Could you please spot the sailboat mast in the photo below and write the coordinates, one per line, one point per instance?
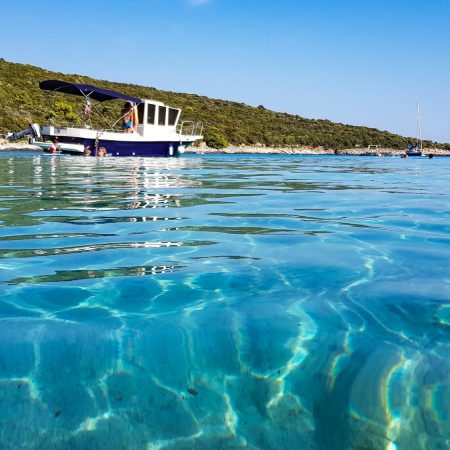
(419, 129)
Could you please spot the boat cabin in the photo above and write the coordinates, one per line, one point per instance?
(152, 115)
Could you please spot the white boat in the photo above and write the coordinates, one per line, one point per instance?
(61, 148)
(416, 149)
(158, 131)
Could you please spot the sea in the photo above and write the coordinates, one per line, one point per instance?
(224, 302)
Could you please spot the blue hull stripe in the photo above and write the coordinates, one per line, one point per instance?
(120, 148)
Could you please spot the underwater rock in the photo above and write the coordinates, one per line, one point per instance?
(192, 391)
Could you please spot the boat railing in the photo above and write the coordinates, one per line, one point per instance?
(190, 128)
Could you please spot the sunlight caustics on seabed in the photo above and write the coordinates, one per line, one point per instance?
(261, 302)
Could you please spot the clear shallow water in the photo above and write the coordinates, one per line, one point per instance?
(224, 302)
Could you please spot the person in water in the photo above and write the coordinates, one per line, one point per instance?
(54, 148)
(129, 119)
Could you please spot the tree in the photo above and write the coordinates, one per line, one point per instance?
(216, 140)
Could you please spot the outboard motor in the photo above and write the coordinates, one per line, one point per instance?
(33, 131)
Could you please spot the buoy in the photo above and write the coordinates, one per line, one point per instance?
(171, 150)
(181, 149)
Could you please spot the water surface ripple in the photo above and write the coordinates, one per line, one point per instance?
(259, 302)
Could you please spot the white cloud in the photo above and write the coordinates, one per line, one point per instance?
(198, 2)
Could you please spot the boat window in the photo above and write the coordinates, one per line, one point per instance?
(151, 114)
(162, 115)
(140, 110)
(173, 114)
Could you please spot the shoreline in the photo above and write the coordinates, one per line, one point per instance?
(258, 150)
(19, 147)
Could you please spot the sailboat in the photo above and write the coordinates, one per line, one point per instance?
(416, 149)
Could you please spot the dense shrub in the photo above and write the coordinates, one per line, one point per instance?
(21, 102)
(216, 141)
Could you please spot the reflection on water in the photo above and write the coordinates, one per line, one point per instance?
(224, 302)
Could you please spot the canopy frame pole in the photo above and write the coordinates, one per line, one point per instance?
(87, 97)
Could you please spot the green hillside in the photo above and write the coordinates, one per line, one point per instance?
(22, 102)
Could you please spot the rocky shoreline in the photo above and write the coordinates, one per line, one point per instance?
(258, 150)
(19, 147)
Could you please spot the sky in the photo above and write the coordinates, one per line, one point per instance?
(359, 62)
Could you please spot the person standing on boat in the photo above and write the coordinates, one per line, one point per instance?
(129, 119)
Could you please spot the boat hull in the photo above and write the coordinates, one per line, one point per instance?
(413, 153)
(127, 148)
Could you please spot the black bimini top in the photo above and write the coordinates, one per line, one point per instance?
(85, 90)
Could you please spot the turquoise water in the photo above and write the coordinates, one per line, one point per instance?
(259, 302)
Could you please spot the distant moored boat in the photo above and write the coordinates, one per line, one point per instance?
(416, 149)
